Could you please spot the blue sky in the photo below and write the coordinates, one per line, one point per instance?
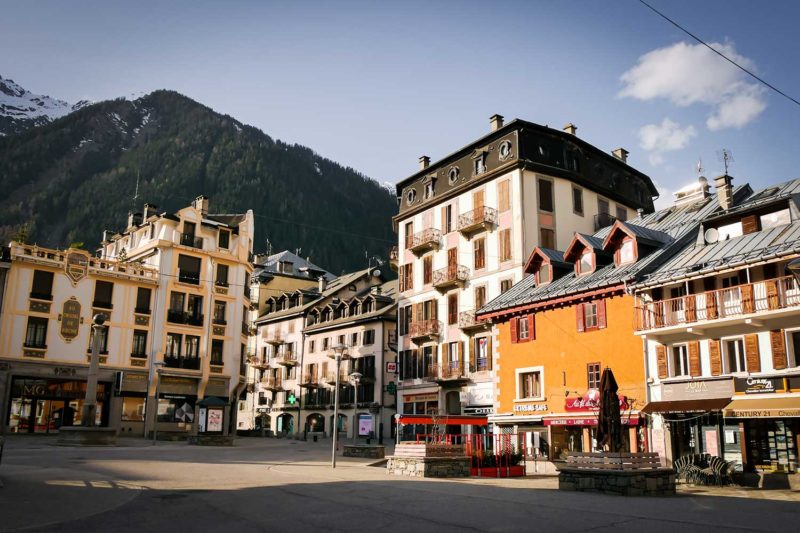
(374, 85)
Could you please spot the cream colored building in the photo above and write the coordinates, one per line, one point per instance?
(466, 227)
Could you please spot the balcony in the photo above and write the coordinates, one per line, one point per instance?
(394, 258)
(188, 239)
(176, 317)
(219, 321)
(194, 320)
(102, 304)
(450, 277)
(425, 330)
(477, 220)
(139, 355)
(468, 322)
(311, 381)
(187, 363)
(603, 220)
(481, 364)
(142, 310)
(272, 383)
(41, 296)
(330, 378)
(275, 338)
(424, 241)
(751, 301)
(286, 358)
(452, 371)
(189, 276)
(258, 362)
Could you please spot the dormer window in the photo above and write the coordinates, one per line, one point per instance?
(429, 189)
(544, 275)
(480, 164)
(586, 263)
(452, 175)
(627, 252)
(411, 196)
(224, 239)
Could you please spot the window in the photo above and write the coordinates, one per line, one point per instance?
(411, 196)
(679, 361)
(505, 284)
(545, 195)
(102, 336)
(778, 218)
(143, 301)
(427, 270)
(192, 346)
(176, 302)
(404, 319)
(312, 346)
(42, 288)
(452, 175)
(219, 312)
(577, 201)
(36, 334)
(340, 340)
(452, 308)
(730, 231)
(194, 310)
(189, 269)
(603, 206)
(174, 344)
(622, 213)
(586, 262)
(325, 343)
(479, 253)
(369, 337)
(447, 218)
(216, 352)
(354, 339)
(480, 297)
(522, 328)
(504, 149)
(735, 359)
(222, 276)
(224, 239)
(593, 375)
(529, 383)
(480, 164)
(409, 232)
(794, 344)
(590, 316)
(505, 245)
(429, 189)
(547, 238)
(627, 252)
(543, 274)
(139, 343)
(504, 195)
(407, 277)
(102, 294)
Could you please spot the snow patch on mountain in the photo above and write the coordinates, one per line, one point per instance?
(21, 109)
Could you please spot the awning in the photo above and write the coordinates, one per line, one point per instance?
(449, 420)
(687, 406)
(786, 407)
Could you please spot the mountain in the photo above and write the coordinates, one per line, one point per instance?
(68, 180)
(20, 109)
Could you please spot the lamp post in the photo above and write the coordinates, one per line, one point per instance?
(157, 373)
(88, 413)
(339, 351)
(356, 378)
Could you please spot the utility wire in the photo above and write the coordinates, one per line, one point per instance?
(723, 56)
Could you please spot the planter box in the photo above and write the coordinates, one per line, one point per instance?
(498, 471)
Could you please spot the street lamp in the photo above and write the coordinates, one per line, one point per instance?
(157, 373)
(355, 377)
(89, 411)
(339, 352)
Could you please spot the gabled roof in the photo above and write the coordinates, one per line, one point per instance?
(580, 242)
(548, 255)
(642, 234)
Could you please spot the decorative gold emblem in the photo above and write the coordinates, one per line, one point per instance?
(77, 265)
(70, 319)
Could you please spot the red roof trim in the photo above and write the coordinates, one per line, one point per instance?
(612, 290)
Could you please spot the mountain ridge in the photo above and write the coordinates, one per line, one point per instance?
(20, 109)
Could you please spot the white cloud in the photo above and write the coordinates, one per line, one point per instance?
(665, 137)
(687, 74)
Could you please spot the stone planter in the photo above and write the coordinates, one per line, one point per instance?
(86, 436)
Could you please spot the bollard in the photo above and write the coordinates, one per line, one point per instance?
(315, 438)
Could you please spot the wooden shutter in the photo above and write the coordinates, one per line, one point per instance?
(531, 330)
(747, 298)
(477, 200)
(661, 361)
(772, 294)
(778, 343)
(460, 351)
(452, 308)
(514, 332)
(579, 316)
(402, 280)
(689, 304)
(427, 269)
(711, 305)
(749, 224)
(401, 321)
(434, 309)
(471, 350)
(715, 357)
(601, 314)
(694, 359)
(445, 229)
(751, 349)
(489, 355)
(410, 277)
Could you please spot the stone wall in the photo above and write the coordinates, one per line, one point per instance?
(428, 466)
(649, 482)
(363, 450)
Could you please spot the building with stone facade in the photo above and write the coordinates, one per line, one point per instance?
(466, 225)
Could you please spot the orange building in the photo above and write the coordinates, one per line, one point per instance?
(563, 324)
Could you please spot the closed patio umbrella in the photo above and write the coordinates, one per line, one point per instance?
(609, 426)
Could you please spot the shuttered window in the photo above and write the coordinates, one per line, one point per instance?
(778, 344)
(452, 308)
(661, 361)
(479, 252)
(715, 357)
(505, 245)
(753, 356)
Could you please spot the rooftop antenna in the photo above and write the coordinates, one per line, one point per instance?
(136, 193)
(726, 157)
(699, 166)
(269, 248)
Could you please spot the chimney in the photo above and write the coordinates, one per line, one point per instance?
(376, 290)
(640, 212)
(323, 284)
(424, 161)
(496, 122)
(201, 204)
(134, 219)
(107, 233)
(621, 154)
(724, 191)
(571, 128)
(149, 210)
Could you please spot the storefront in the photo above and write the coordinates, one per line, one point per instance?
(176, 403)
(768, 415)
(134, 401)
(43, 405)
(419, 403)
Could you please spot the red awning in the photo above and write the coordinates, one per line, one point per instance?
(449, 420)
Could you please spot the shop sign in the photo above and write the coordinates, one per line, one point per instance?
(364, 425)
(479, 410)
(783, 412)
(217, 387)
(480, 394)
(132, 382)
(391, 367)
(421, 398)
(70, 319)
(697, 390)
(591, 402)
(586, 421)
(530, 408)
(214, 423)
(758, 385)
(178, 385)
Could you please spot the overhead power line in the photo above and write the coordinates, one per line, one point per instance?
(723, 56)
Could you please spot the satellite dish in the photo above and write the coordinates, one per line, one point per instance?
(711, 235)
(376, 273)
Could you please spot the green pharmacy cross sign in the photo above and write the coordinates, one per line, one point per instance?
(391, 388)
(292, 398)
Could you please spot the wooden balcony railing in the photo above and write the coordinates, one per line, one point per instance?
(272, 383)
(467, 320)
(477, 220)
(276, 337)
(425, 328)
(286, 358)
(758, 297)
(330, 378)
(481, 364)
(427, 239)
(451, 370)
(450, 276)
(311, 381)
